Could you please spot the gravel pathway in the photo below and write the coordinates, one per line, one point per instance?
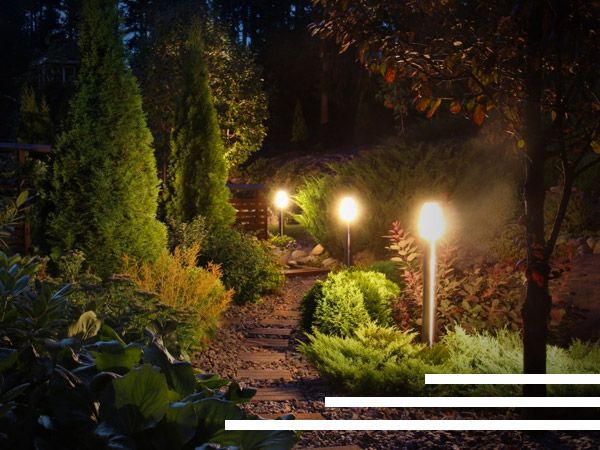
(256, 346)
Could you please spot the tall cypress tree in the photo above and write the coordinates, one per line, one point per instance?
(105, 182)
(198, 173)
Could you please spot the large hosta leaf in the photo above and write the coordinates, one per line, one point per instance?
(112, 355)
(212, 413)
(179, 374)
(146, 389)
(256, 440)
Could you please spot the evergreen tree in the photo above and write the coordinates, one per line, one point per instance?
(198, 174)
(35, 126)
(299, 128)
(105, 183)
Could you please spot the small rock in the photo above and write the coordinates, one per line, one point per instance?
(317, 250)
(298, 254)
(329, 262)
(284, 257)
(597, 248)
(307, 259)
(292, 262)
(591, 242)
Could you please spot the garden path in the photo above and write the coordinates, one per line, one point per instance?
(256, 345)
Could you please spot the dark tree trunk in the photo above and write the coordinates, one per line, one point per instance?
(536, 310)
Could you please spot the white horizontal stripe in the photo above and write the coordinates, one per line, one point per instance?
(513, 378)
(424, 425)
(462, 402)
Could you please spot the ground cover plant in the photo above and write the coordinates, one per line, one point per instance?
(79, 385)
(377, 359)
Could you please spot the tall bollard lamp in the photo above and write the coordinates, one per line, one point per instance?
(281, 202)
(431, 227)
(348, 213)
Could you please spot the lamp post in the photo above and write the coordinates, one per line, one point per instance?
(431, 227)
(348, 213)
(281, 202)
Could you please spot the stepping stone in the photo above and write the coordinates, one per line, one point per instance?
(261, 357)
(297, 415)
(279, 322)
(278, 394)
(271, 331)
(269, 342)
(344, 447)
(265, 374)
(286, 313)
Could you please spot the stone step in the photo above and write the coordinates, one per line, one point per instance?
(279, 322)
(271, 331)
(269, 342)
(261, 357)
(297, 415)
(278, 394)
(265, 374)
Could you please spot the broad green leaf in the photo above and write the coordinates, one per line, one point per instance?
(257, 440)
(112, 355)
(8, 357)
(238, 395)
(212, 413)
(182, 419)
(146, 389)
(179, 374)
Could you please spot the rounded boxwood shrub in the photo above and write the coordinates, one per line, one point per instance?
(378, 293)
(338, 292)
(341, 309)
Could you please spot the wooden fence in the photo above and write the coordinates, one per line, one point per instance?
(252, 208)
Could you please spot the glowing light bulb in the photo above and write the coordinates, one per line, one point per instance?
(348, 209)
(281, 199)
(431, 221)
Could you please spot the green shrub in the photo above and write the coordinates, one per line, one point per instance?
(383, 359)
(375, 360)
(81, 386)
(338, 304)
(185, 234)
(182, 285)
(388, 184)
(282, 241)
(341, 309)
(378, 293)
(388, 268)
(309, 304)
(247, 264)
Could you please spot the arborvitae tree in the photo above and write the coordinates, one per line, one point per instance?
(105, 182)
(35, 126)
(198, 173)
(299, 128)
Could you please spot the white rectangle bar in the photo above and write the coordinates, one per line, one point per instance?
(512, 378)
(462, 402)
(412, 425)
